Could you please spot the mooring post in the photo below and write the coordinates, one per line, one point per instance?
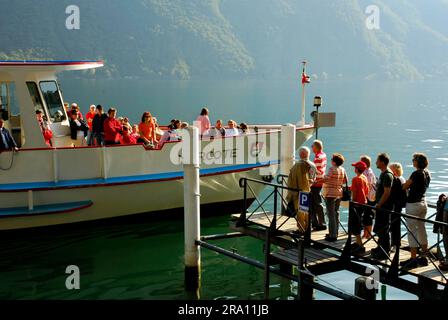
(365, 288)
(287, 148)
(190, 158)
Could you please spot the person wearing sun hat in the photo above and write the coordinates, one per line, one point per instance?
(360, 192)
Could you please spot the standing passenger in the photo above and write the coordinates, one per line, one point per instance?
(98, 125)
(78, 129)
(112, 128)
(317, 209)
(416, 206)
(44, 127)
(89, 118)
(368, 212)
(301, 177)
(384, 203)
(7, 142)
(332, 192)
(399, 198)
(204, 122)
(360, 191)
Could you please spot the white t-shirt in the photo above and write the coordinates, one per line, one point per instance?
(232, 132)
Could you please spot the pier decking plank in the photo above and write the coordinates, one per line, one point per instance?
(327, 253)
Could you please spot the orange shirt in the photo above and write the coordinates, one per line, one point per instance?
(360, 186)
(147, 130)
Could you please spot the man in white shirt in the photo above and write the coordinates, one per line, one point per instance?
(232, 131)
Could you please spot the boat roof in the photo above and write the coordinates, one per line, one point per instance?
(49, 66)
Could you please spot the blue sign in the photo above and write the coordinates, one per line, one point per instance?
(304, 201)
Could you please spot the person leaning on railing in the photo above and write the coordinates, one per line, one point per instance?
(416, 206)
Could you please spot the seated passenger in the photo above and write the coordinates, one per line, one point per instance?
(184, 125)
(232, 131)
(127, 137)
(78, 130)
(126, 123)
(171, 125)
(147, 130)
(218, 131)
(44, 127)
(6, 140)
(75, 107)
(172, 134)
(159, 132)
(244, 129)
(112, 128)
(135, 132)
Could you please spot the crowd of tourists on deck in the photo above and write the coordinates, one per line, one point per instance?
(98, 128)
(374, 202)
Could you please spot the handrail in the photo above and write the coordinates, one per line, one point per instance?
(399, 218)
(241, 183)
(403, 215)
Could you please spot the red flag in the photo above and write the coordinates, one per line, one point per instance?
(305, 78)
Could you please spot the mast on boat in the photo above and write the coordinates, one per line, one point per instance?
(305, 81)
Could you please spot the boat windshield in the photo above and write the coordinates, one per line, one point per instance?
(50, 92)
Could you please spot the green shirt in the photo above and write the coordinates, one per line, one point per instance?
(385, 181)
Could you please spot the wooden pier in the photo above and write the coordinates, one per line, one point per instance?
(302, 257)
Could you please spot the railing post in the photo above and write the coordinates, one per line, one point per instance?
(307, 238)
(242, 219)
(267, 257)
(305, 291)
(274, 219)
(347, 251)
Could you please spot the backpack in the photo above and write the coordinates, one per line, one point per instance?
(398, 196)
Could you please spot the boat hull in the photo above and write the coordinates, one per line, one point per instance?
(122, 181)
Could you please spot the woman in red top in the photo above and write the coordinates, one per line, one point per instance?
(112, 128)
(127, 137)
(147, 130)
(44, 127)
(360, 192)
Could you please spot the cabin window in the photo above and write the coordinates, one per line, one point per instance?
(35, 96)
(52, 97)
(8, 98)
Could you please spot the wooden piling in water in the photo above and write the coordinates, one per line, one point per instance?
(190, 158)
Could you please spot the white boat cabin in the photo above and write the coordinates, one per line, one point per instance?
(29, 86)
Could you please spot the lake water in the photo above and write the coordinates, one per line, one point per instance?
(144, 261)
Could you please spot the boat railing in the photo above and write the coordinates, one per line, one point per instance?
(273, 205)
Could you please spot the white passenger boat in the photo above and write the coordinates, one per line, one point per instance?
(43, 186)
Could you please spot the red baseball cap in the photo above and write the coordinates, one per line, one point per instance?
(361, 166)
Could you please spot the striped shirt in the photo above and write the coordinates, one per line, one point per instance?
(371, 179)
(333, 182)
(320, 160)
